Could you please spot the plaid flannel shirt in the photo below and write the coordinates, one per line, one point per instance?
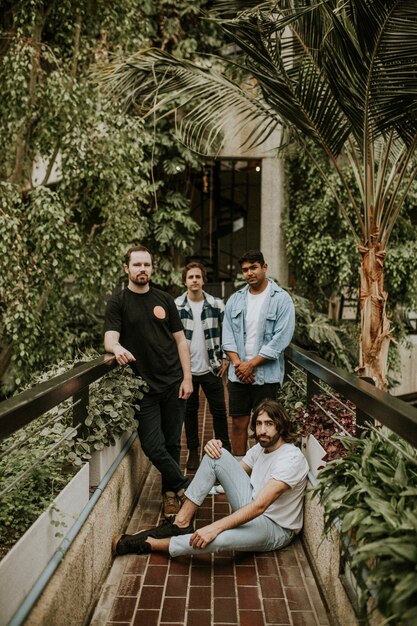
(212, 318)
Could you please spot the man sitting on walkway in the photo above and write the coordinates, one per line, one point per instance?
(265, 491)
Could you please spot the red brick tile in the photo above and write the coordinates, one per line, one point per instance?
(246, 575)
(276, 611)
(297, 599)
(244, 558)
(198, 618)
(122, 609)
(180, 566)
(223, 566)
(251, 618)
(230, 554)
(157, 558)
(146, 618)
(205, 514)
(202, 560)
(267, 567)
(177, 586)
(221, 508)
(287, 556)
(225, 611)
(173, 610)
(271, 587)
(224, 587)
(199, 598)
(150, 598)
(155, 575)
(129, 585)
(249, 598)
(303, 618)
(200, 576)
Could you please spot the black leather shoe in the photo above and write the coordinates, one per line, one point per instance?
(129, 544)
(164, 531)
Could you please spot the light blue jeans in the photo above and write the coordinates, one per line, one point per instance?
(259, 535)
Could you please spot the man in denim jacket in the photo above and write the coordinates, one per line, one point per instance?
(258, 325)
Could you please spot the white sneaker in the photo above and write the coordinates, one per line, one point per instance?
(219, 489)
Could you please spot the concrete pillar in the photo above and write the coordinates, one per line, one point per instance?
(272, 217)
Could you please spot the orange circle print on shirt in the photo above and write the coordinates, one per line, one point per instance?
(159, 312)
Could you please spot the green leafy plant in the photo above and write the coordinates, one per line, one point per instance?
(335, 342)
(111, 412)
(80, 181)
(371, 495)
(292, 393)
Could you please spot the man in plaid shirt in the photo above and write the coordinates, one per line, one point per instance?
(202, 315)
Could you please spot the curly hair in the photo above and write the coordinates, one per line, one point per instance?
(278, 415)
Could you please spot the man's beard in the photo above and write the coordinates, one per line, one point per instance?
(140, 279)
(269, 441)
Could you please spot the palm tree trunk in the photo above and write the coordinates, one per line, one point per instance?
(375, 326)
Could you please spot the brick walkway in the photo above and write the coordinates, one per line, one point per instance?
(209, 590)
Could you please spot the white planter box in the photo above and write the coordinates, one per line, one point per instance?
(314, 453)
(22, 566)
(102, 460)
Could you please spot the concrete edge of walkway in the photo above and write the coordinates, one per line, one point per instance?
(70, 596)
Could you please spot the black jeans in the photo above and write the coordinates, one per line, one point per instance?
(213, 389)
(160, 418)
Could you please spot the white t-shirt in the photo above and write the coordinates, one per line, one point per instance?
(198, 352)
(253, 310)
(289, 465)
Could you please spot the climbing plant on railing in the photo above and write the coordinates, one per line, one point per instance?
(111, 412)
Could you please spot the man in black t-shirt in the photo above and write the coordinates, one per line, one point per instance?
(143, 328)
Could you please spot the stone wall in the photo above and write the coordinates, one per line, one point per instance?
(70, 595)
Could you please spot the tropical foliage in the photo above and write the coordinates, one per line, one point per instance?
(335, 342)
(79, 180)
(339, 74)
(371, 495)
(322, 259)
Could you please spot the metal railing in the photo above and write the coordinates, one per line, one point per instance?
(372, 404)
(22, 409)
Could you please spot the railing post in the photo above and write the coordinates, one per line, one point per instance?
(81, 401)
(288, 368)
(361, 416)
(312, 387)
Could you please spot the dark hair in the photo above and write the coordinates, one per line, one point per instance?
(136, 249)
(278, 415)
(190, 266)
(252, 256)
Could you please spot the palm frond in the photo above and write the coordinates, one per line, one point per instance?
(159, 83)
(291, 81)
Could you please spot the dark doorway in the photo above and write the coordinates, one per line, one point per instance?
(226, 205)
